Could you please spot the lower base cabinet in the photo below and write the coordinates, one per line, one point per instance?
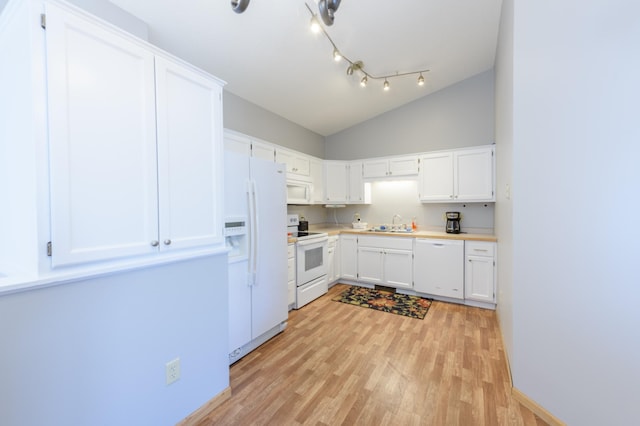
(386, 261)
(480, 274)
(438, 267)
(291, 275)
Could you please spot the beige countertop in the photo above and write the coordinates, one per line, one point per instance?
(345, 229)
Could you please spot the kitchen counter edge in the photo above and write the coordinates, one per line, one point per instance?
(416, 234)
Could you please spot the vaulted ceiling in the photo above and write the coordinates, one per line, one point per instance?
(268, 55)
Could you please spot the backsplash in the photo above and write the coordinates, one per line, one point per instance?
(401, 197)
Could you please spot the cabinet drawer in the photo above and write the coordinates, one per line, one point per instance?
(399, 243)
(476, 248)
(291, 250)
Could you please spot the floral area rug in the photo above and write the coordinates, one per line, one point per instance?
(396, 303)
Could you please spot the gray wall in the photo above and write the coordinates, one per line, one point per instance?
(575, 291)
(458, 116)
(248, 118)
(94, 351)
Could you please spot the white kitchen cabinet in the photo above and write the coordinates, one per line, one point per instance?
(296, 163)
(464, 175)
(390, 167)
(480, 275)
(291, 275)
(336, 178)
(333, 264)
(131, 172)
(349, 256)
(386, 261)
(356, 185)
(344, 184)
(438, 267)
(316, 172)
(263, 150)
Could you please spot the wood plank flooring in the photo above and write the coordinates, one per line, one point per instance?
(338, 364)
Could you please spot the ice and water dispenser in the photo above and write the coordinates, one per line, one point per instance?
(235, 235)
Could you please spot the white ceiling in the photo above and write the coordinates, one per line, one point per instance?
(269, 57)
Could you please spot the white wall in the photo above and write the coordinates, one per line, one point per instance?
(248, 118)
(458, 116)
(575, 170)
(94, 351)
(504, 174)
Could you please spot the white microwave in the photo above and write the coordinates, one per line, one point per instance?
(299, 192)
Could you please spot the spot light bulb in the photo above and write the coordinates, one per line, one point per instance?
(364, 81)
(315, 25)
(336, 55)
(421, 80)
(385, 86)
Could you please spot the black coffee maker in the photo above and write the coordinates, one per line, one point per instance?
(453, 222)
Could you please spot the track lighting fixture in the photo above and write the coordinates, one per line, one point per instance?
(239, 6)
(327, 9)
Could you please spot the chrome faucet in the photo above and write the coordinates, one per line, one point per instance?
(393, 221)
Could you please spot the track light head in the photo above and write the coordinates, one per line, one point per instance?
(364, 81)
(385, 86)
(354, 66)
(327, 10)
(336, 55)
(239, 6)
(420, 80)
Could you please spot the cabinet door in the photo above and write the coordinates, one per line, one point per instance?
(263, 150)
(336, 179)
(370, 264)
(403, 166)
(331, 272)
(398, 268)
(317, 179)
(438, 267)
(189, 120)
(356, 186)
(375, 168)
(473, 178)
(349, 257)
(436, 177)
(479, 282)
(102, 140)
(295, 163)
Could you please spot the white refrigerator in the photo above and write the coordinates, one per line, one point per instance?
(255, 193)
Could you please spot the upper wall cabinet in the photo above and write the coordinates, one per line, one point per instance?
(465, 175)
(390, 167)
(295, 162)
(135, 146)
(263, 150)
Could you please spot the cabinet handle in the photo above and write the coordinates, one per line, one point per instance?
(167, 242)
(450, 196)
(154, 243)
(485, 250)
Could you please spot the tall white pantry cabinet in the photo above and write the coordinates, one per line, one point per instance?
(124, 140)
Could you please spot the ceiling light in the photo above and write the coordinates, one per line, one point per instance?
(327, 9)
(315, 25)
(239, 6)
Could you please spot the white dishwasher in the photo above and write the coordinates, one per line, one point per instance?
(438, 267)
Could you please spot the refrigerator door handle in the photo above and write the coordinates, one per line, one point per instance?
(255, 230)
(251, 264)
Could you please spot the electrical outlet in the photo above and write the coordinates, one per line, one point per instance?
(172, 370)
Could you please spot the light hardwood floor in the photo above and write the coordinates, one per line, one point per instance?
(341, 364)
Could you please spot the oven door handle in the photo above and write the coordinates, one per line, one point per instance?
(313, 241)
